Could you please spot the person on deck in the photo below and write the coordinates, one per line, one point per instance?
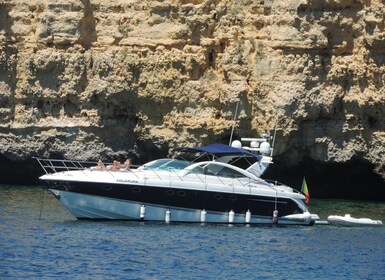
(100, 165)
(115, 166)
(127, 164)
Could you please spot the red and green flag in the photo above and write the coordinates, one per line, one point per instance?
(305, 191)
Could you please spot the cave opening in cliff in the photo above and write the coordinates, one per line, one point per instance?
(354, 179)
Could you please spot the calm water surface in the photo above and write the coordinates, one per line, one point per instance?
(59, 247)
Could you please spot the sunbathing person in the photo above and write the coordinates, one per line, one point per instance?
(126, 164)
(100, 166)
(115, 166)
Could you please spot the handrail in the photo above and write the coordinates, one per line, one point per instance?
(276, 183)
(58, 165)
(279, 184)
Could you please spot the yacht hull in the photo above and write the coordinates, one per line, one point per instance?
(166, 205)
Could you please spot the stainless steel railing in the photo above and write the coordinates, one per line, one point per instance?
(58, 165)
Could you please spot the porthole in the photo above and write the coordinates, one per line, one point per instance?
(181, 193)
(136, 190)
(107, 188)
(169, 192)
(233, 197)
(218, 196)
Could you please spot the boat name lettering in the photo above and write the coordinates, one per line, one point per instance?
(127, 181)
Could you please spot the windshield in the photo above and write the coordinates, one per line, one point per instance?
(167, 164)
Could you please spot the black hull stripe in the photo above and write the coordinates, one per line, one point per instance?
(183, 198)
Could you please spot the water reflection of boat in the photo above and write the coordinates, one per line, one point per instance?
(348, 220)
(227, 188)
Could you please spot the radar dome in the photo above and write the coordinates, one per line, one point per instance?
(265, 148)
(236, 144)
(254, 144)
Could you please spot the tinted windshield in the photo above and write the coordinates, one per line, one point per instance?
(167, 164)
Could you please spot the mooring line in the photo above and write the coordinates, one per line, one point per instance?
(41, 204)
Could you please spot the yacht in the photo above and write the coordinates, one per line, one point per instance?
(217, 183)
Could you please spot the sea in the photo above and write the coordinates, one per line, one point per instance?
(39, 239)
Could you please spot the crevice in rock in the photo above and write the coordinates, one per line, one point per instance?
(87, 26)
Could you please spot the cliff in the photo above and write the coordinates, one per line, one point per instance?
(112, 79)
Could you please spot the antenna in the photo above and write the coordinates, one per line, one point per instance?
(235, 116)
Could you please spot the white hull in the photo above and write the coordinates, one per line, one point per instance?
(84, 206)
(173, 190)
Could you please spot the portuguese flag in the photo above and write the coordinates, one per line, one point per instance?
(305, 191)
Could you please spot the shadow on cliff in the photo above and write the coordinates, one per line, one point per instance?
(20, 172)
(350, 180)
(6, 21)
(87, 25)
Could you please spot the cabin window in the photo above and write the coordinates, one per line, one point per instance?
(233, 197)
(181, 193)
(169, 192)
(223, 171)
(136, 190)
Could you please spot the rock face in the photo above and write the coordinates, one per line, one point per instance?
(111, 79)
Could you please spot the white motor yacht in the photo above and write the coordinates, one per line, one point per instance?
(227, 188)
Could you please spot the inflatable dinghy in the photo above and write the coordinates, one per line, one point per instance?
(347, 220)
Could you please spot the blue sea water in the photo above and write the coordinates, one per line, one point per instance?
(51, 244)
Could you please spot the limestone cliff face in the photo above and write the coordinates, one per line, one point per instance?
(79, 79)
